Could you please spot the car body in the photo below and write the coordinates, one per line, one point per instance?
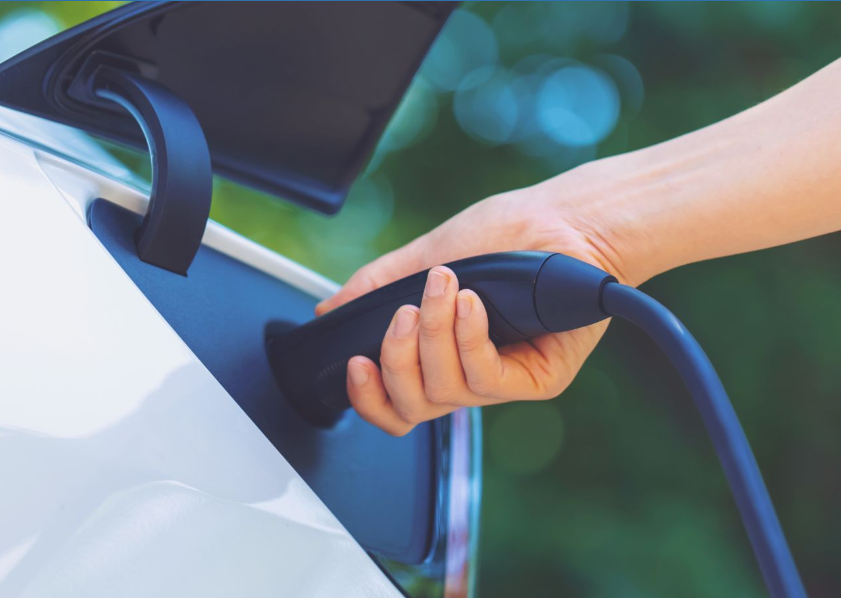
(145, 450)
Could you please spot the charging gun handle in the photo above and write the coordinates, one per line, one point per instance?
(526, 294)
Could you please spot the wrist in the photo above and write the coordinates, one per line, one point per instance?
(653, 210)
(622, 213)
(601, 203)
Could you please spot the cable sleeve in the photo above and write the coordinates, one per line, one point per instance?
(760, 520)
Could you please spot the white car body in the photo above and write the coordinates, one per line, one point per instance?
(125, 468)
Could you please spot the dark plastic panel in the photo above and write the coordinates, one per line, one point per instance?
(383, 489)
(292, 96)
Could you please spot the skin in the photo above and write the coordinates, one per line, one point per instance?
(767, 176)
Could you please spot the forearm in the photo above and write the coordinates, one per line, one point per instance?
(767, 176)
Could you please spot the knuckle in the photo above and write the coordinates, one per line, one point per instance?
(367, 277)
(410, 415)
(393, 362)
(470, 344)
(431, 328)
(363, 281)
(399, 431)
(553, 387)
(483, 386)
(561, 383)
(545, 395)
(440, 394)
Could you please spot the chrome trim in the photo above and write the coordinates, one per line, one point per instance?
(464, 503)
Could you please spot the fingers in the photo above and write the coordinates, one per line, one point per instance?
(478, 355)
(518, 372)
(368, 396)
(398, 397)
(388, 268)
(557, 358)
(363, 281)
(394, 399)
(443, 377)
(440, 357)
(401, 369)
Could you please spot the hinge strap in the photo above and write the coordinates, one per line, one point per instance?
(182, 184)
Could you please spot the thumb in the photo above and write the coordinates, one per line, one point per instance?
(388, 268)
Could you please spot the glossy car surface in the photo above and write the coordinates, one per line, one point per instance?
(127, 469)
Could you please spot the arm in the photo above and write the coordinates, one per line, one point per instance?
(767, 176)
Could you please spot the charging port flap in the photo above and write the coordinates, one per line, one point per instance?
(384, 490)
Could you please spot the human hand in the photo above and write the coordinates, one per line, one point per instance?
(438, 358)
(721, 190)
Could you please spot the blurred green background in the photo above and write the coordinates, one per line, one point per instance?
(613, 489)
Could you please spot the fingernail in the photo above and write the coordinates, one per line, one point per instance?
(407, 319)
(464, 305)
(436, 283)
(358, 373)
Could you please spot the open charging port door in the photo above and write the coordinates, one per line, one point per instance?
(384, 490)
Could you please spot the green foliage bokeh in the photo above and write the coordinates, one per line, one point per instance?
(613, 489)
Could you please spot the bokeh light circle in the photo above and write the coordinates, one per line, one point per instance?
(467, 46)
(627, 78)
(578, 105)
(488, 111)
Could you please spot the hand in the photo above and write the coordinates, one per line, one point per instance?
(721, 190)
(438, 358)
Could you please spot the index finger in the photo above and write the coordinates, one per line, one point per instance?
(388, 268)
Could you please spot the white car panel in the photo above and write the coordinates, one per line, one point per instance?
(125, 468)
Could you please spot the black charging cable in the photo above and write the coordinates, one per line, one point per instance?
(725, 431)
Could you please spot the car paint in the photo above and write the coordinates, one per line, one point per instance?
(125, 468)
